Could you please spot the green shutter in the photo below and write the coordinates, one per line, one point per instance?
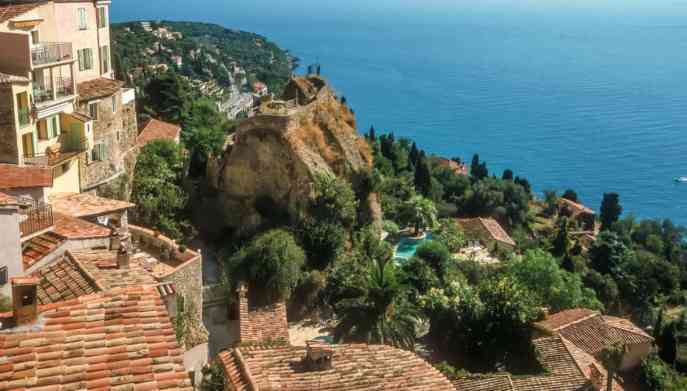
(81, 59)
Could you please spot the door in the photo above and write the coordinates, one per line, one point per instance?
(27, 144)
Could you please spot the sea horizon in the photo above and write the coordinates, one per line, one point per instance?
(584, 96)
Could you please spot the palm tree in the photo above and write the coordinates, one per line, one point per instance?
(421, 212)
(612, 359)
(381, 314)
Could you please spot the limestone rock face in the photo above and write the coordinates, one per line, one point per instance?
(267, 173)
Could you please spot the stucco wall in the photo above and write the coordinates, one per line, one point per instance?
(634, 356)
(10, 246)
(66, 178)
(16, 56)
(9, 147)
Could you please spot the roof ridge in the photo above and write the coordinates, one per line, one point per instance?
(567, 349)
(245, 371)
(590, 316)
(641, 333)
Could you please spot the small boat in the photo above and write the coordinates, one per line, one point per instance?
(681, 179)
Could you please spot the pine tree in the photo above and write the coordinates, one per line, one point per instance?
(423, 177)
(372, 136)
(507, 175)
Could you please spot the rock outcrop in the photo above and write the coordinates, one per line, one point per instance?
(268, 170)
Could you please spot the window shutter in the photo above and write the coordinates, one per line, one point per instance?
(81, 59)
(103, 151)
(89, 58)
(3, 275)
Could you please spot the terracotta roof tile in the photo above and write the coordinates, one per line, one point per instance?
(40, 246)
(158, 130)
(74, 228)
(591, 331)
(85, 205)
(63, 280)
(485, 229)
(73, 347)
(354, 367)
(6, 199)
(484, 383)
(13, 176)
(264, 323)
(575, 207)
(11, 11)
(98, 88)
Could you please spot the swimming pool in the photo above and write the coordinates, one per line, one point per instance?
(407, 246)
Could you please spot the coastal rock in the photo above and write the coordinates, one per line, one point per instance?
(266, 174)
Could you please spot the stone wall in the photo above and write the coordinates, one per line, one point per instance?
(118, 132)
(8, 138)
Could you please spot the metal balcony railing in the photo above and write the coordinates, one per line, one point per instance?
(51, 52)
(42, 92)
(36, 217)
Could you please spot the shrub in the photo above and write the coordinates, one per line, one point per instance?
(450, 234)
(436, 255)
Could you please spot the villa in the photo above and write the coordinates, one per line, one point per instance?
(486, 232)
(61, 107)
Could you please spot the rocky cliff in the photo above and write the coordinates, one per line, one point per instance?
(268, 170)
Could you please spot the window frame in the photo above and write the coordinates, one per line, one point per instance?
(4, 275)
(105, 58)
(82, 19)
(114, 103)
(91, 111)
(101, 15)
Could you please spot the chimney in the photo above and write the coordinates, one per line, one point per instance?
(24, 300)
(318, 356)
(242, 293)
(124, 253)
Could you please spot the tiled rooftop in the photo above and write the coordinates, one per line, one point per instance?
(486, 228)
(354, 367)
(85, 205)
(158, 130)
(591, 331)
(562, 373)
(575, 207)
(63, 280)
(11, 11)
(6, 199)
(98, 88)
(120, 339)
(13, 176)
(264, 323)
(101, 265)
(73, 228)
(38, 247)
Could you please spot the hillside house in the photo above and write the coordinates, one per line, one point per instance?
(486, 232)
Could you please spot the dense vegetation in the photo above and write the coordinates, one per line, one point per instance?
(215, 49)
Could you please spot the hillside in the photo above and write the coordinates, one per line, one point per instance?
(215, 59)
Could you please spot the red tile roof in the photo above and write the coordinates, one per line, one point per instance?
(158, 130)
(484, 383)
(593, 333)
(98, 88)
(63, 280)
(575, 207)
(120, 339)
(86, 205)
(73, 228)
(13, 176)
(485, 229)
(455, 167)
(6, 199)
(265, 323)
(588, 365)
(40, 246)
(11, 11)
(354, 367)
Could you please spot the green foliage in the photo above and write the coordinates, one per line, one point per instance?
(419, 275)
(180, 324)
(656, 375)
(380, 313)
(5, 304)
(478, 170)
(167, 97)
(214, 377)
(322, 241)
(562, 244)
(570, 195)
(420, 212)
(450, 235)
(612, 359)
(506, 201)
(204, 133)
(272, 263)
(555, 288)
(157, 192)
(436, 255)
(610, 210)
(551, 202)
(423, 177)
(391, 227)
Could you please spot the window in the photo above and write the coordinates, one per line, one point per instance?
(105, 58)
(102, 17)
(34, 37)
(114, 103)
(99, 152)
(54, 127)
(3, 275)
(85, 59)
(93, 110)
(43, 133)
(83, 19)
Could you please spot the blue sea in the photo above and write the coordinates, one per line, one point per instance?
(582, 94)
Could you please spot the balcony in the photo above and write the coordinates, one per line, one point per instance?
(42, 92)
(69, 147)
(36, 217)
(51, 52)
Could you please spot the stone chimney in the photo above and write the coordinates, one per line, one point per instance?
(318, 356)
(242, 310)
(24, 299)
(124, 252)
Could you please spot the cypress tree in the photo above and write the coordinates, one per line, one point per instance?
(507, 175)
(423, 177)
(474, 167)
(414, 154)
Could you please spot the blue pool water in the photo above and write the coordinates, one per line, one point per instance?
(406, 247)
(585, 94)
